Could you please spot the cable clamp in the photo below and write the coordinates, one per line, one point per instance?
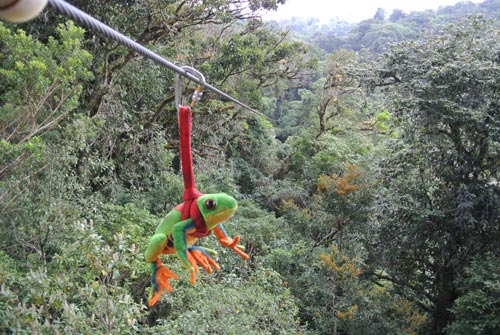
(192, 72)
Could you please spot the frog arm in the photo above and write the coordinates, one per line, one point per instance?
(179, 232)
(228, 242)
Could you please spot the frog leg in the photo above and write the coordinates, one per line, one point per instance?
(157, 243)
(160, 273)
(203, 257)
(159, 280)
(228, 242)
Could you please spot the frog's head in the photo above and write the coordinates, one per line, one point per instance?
(216, 208)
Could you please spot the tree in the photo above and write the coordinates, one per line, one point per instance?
(477, 311)
(339, 83)
(380, 14)
(40, 84)
(164, 25)
(437, 208)
(397, 14)
(76, 209)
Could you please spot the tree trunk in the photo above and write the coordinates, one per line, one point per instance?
(446, 295)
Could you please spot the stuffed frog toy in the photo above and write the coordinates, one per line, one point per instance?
(175, 235)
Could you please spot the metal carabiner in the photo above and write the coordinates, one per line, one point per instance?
(178, 86)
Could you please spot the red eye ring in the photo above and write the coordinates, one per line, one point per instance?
(210, 204)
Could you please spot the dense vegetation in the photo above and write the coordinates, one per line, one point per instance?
(369, 200)
(384, 28)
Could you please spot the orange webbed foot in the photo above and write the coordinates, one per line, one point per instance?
(230, 243)
(160, 280)
(192, 261)
(203, 258)
(233, 245)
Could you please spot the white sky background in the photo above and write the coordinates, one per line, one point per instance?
(352, 10)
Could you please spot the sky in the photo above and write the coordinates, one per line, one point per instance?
(352, 10)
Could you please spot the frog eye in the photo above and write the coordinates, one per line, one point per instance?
(210, 204)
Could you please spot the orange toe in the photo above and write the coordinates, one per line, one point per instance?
(162, 276)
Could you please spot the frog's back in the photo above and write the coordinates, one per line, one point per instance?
(167, 223)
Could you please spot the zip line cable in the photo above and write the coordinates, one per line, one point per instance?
(97, 26)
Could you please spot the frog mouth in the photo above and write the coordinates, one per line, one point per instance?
(221, 215)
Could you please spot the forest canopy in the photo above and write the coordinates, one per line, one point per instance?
(368, 192)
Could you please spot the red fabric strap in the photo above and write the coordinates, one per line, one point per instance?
(199, 222)
(185, 126)
(191, 193)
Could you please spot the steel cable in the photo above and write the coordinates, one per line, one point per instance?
(97, 26)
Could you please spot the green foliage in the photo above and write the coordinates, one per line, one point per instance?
(299, 268)
(79, 291)
(378, 33)
(372, 214)
(12, 154)
(262, 231)
(111, 220)
(267, 58)
(297, 114)
(261, 306)
(436, 209)
(77, 207)
(97, 284)
(477, 311)
(40, 86)
(252, 152)
(40, 83)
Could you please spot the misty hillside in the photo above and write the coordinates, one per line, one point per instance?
(383, 28)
